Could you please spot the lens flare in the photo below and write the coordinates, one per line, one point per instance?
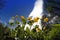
(37, 12)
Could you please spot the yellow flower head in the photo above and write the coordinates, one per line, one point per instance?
(37, 29)
(36, 19)
(22, 17)
(13, 17)
(45, 19)
(29, 18)
(16, 16)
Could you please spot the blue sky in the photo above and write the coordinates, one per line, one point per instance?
(16, 7)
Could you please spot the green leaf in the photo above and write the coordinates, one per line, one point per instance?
(11, 24)
(17, 22)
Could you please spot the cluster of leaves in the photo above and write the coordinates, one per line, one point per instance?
(51, 33)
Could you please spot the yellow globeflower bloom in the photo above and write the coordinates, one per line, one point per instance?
(37, 29)
(22, 17)
(45, 19)
(36, 19)
(13, 17)
(29, 18)
(16, 16)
